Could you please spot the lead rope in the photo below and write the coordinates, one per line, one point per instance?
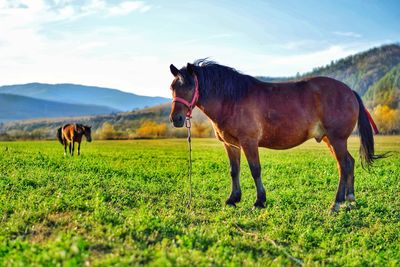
(188, 125)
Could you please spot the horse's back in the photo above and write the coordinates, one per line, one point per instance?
(324, 97)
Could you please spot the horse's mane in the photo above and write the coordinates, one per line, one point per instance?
(220, 81)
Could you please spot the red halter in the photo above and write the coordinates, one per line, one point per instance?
(192, 103)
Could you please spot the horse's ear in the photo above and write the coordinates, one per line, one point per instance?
(174, 70)
(190, 68)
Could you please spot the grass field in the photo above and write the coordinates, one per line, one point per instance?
(123, 203)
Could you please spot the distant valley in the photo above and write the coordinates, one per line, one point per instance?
(87, 100)
(16, 107)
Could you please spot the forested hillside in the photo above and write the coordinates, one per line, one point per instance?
(386, 91)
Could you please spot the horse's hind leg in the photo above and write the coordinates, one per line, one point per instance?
(234, 160)
(344, 166)
(65, 147)
(251, 151)
(79, 148)
(350, 179)
(73, 148)
(70, 148)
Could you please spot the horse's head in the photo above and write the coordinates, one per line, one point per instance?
(87, 131)
(185, 92)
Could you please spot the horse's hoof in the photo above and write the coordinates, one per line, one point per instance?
(233, 205)
(335, 207)
(259, 205)
(350, 197)
(230, 203)
(351, 206)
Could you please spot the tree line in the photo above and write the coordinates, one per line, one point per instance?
(147, 129)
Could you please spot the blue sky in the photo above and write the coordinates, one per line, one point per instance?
(129, 45)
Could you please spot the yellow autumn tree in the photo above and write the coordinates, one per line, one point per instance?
(151, 129)
(387, 119)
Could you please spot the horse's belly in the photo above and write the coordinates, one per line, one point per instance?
(282, 143)
(284, 138)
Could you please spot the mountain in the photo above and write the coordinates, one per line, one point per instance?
(359, 71)
(16, 107)
(80, 94)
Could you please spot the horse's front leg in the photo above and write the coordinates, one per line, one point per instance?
(234, 160)
(73, 147)
(70, 148)
(250, 149)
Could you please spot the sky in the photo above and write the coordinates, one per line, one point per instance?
(129, 45)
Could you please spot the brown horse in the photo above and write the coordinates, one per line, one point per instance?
(71, 133)
(247, 113)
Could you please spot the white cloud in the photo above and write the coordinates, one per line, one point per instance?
(91, 45)
(289, 65)
(348, 34)
(305, 62)
(145, 8)
(126, 7)
(40, 11)
(299, 44)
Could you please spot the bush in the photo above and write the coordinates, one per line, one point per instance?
(201, 129)
(150, 129)
(106, 132)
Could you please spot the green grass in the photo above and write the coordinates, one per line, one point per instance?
(123, 203)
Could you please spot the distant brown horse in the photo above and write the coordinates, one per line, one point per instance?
(71, 133)
(247, 113)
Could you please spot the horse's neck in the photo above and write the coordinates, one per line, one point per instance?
(211, 108)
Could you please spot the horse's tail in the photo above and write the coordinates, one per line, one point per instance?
(59, 135)
(365, 121)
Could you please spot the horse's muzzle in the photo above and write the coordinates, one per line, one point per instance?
(177, 120)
